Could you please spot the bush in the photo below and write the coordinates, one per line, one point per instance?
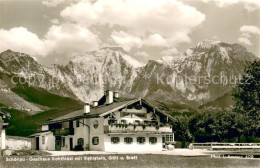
(78, 148)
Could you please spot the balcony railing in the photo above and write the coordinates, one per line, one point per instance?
(63, 132)
(117, 128)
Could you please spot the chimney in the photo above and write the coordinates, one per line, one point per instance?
(109, 96)
(116, 95)
(95, 103)
(86, 108)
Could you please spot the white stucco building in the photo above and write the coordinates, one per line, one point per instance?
(108, 125)
(3, 125)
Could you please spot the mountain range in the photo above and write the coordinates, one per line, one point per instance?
(201, 76)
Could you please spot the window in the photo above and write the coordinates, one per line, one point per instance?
(95, 124)
(169, 138)
(111, 121)
(128, 140)
(77, 123)
(95, 140)
(123, 114)
(140, 140)
(138, 107)
(115, 140)
(141, 115)
(152, 140)
(137, 122)
(80, 141)
(123, 121)
(43, 139)
(63, 141)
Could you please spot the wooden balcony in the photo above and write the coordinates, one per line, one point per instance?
(63, 132)
(137, 111)
(117, 128)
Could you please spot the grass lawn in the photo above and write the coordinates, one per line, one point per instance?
(139, 161)
(23, 124)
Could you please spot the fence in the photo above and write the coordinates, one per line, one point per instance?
(223, 146)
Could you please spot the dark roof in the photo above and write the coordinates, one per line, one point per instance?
(39, 133)
(102, 111)
(159, 111)
(94, 112)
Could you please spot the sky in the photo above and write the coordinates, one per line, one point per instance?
(52, 31)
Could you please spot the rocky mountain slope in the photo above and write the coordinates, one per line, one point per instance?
(26, 86)
(201, 75)
(192, 79)
(88, 74)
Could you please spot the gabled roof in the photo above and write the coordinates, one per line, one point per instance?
(103, 110)
(39, 134)
(94, 112)
(158, 110)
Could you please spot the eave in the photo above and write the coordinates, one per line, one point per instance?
(70, 119)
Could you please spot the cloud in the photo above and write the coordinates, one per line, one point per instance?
(156, 23)
(125, 40)
(250, 29)
(249, 5)
(63, 39)
(52, 3)
(246, 35)
(129, 41)
(246, 31)
(215, 37)
(244, 41)
(170, 52)
(68, 38)
(155, 40)
(134, 24)
(55, 21)
(142, 54)
(22, 40)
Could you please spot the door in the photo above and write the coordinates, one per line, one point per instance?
(71, 144)
(163, 141)
(57, 143)
(71, 128)
(37, 143)
(71, 124)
